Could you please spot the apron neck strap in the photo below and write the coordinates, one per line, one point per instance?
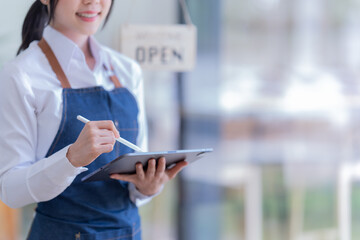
(112, 76)
(54, 63)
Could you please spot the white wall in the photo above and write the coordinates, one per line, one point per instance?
(11, 18)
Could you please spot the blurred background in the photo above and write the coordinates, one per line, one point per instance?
(275, 92)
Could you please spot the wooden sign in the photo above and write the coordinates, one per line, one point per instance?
(160, 47)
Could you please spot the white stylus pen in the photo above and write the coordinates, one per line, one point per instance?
(123, 141)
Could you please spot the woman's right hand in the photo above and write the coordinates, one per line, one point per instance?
(96, 137)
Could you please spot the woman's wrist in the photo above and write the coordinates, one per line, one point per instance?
(70, 157)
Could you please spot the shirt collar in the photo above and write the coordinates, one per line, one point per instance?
(99, 55)
(66, 50)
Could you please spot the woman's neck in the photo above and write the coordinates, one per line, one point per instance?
(82, 41)
(84, 45)
(89, 57)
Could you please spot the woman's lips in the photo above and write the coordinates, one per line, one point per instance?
(88, 16)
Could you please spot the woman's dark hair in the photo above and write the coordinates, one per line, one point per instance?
(37, 18)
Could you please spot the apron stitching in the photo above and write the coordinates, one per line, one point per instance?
(128, 235)
(99, 89)
(87, 90)
(135, 135)
(78, 235)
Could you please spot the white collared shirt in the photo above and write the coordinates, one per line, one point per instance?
(30, 114)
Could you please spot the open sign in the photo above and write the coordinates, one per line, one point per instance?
(166, 55)
(160, 47)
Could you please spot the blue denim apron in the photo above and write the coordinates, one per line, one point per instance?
(91, 210)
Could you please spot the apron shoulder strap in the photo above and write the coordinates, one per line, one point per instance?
(112, 76)
(54, 63)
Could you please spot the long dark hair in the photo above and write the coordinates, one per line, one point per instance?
(37, 18)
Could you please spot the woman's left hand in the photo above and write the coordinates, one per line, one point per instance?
(151, 181)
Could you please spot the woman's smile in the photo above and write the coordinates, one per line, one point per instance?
(88, 16)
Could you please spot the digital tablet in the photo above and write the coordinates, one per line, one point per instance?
(125, 164)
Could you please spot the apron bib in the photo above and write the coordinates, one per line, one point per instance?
(92, 210)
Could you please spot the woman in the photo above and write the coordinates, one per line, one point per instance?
(62, 72)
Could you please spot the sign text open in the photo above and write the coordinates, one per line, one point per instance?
(160, 47)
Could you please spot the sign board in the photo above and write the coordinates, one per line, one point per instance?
(160, 47)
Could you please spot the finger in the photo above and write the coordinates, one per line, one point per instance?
(124, 177)
(105, 148)
(106, 140)
(160, 167)
(176, 169)
(150, 172)
(103, 138)
(140, 171)
(109, 125)
(106, 133)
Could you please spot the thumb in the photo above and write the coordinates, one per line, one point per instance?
(176, 169)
